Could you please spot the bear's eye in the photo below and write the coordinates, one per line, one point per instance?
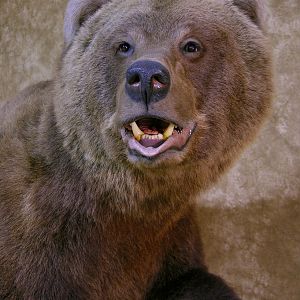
(125, 49)
(192, 49)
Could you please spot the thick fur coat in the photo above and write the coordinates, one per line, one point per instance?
(85, 211)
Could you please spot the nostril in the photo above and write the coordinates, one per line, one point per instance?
(160, 81)
(157, 83)
(134, 80)
(158, 78)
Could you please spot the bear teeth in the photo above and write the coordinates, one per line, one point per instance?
(153, 137)
(169, 131)
(139, 134)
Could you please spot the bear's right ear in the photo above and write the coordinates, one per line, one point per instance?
(77, 12)
(251, 8)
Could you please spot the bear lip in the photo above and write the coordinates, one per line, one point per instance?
(177, 141)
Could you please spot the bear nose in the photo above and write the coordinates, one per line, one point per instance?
(147, 81)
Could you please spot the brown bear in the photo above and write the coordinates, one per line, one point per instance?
(100, 167)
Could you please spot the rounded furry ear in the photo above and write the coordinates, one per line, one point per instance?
(77, 12)
(251, 8)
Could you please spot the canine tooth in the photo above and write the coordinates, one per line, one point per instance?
(169, 131)
(160, 136)
(137, 132)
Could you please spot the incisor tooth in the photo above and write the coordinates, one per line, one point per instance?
(152, 137)
(169, 131)
(137, 132)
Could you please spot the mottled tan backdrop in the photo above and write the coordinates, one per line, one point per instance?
(250, 222)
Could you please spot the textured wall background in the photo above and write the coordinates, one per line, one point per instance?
(250, 221)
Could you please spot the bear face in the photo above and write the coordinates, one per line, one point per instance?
(210, 86)
(212, 83)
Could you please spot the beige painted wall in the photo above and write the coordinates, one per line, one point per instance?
(251, 221)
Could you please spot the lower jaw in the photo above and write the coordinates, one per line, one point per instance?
(166, 154)
(168, 159)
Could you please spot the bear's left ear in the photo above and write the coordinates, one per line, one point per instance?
(77, 12)
(253, 9)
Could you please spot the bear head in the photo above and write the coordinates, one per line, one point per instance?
(163, 87)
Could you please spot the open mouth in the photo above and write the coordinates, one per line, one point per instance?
(150, 137)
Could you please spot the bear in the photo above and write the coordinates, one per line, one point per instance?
(100, 167)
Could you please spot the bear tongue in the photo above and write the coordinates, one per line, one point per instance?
(155, 143)
(149, 126)
(149, 131)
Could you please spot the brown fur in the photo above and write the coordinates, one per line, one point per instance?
(82, 218)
